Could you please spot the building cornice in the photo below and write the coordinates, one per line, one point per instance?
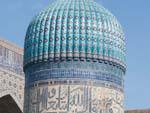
(11, 46)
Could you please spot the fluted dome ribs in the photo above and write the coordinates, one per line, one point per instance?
(69, 30)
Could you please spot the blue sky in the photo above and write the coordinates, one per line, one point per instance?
(134, 15)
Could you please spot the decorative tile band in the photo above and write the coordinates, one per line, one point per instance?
(73, 81)
(78, 64)
(74, 70)
(74, 74)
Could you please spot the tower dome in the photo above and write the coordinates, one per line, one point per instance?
(74, 60)
(74, 30)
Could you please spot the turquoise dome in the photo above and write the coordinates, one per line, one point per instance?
(74, 30)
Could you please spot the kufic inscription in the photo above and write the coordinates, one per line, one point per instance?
(75, 99)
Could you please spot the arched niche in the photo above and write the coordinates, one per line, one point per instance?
(8, 105)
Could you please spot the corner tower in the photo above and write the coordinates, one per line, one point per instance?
(74, 60)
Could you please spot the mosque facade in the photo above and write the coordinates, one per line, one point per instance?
(11, 78)
(74, 60)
